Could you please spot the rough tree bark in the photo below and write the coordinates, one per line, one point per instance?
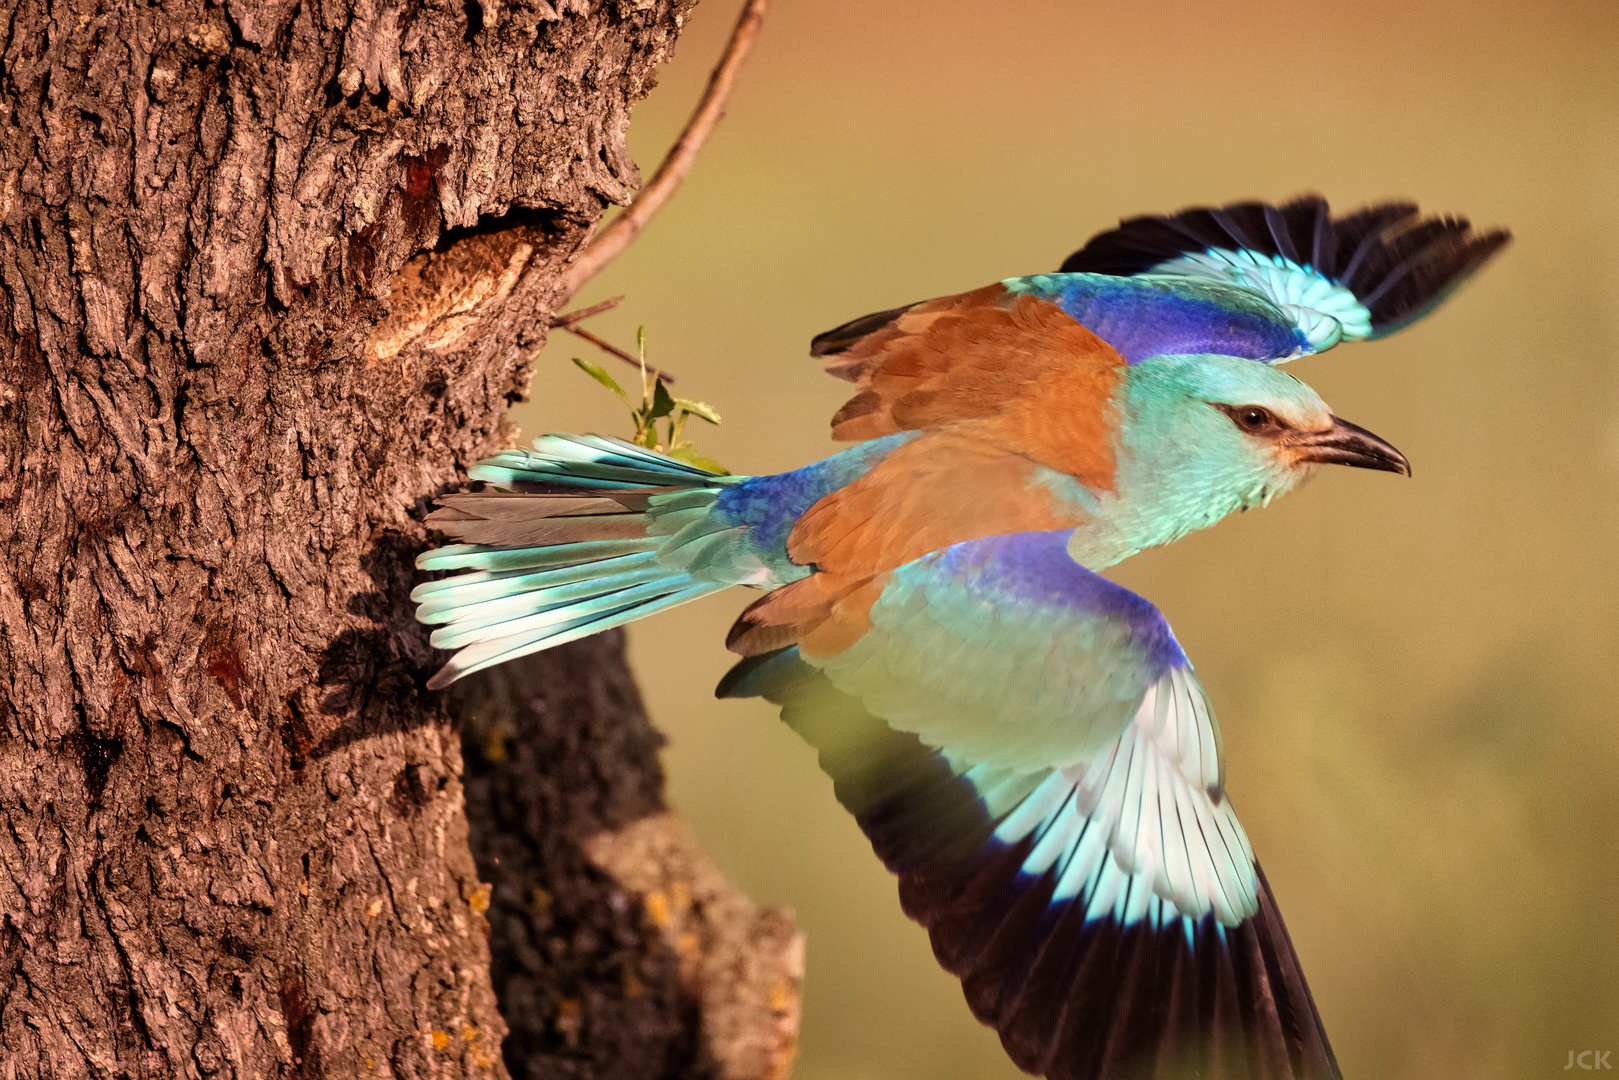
(618, 950)
(270, 272)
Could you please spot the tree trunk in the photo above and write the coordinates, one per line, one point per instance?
(270, 272)
(619, 951)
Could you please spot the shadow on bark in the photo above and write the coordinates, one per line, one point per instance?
(617, 950)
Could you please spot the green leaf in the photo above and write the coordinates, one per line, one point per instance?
(699, 408)
(662, 403)
(692, 457)
(595, 371)
(677, 429)
(649, 438)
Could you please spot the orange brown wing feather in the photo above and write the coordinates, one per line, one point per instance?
(1027, 376)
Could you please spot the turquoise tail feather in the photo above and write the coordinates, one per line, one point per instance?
(591, 533)
(589, 461)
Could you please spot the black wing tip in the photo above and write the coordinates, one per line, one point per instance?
(839, 338)
(1292, 229)
(1411, 287)
(771, 675)
(1398, 263)
(731, 684)
(1077, 999)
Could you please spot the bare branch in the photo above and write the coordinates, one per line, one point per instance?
(611, 241)
(568, 318)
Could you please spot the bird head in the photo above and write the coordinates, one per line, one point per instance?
(1201, 436)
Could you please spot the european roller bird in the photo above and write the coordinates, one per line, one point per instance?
(1024, 742)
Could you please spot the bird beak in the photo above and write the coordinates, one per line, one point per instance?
(1349, 444)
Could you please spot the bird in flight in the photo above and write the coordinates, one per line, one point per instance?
(1024, 742)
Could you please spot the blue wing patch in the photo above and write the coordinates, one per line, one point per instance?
(1170, 315)
(1008, 652)
(1019, 663)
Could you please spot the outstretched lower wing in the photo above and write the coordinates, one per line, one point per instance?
(1027, 747)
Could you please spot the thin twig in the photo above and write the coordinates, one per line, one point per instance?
(611, 241)
(568, 318)
(616, 351)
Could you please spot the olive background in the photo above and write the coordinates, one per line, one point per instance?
(1416, 679)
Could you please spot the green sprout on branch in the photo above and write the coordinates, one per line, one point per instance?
(658, 404)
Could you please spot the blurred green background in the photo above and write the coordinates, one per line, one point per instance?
(1417, 679)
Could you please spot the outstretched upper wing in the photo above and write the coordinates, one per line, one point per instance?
(1340, 279)
(1252, 280)
(1027, 746)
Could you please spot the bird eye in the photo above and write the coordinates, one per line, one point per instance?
(1255, 419)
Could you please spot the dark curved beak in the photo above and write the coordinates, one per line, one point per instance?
(1350, 444)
